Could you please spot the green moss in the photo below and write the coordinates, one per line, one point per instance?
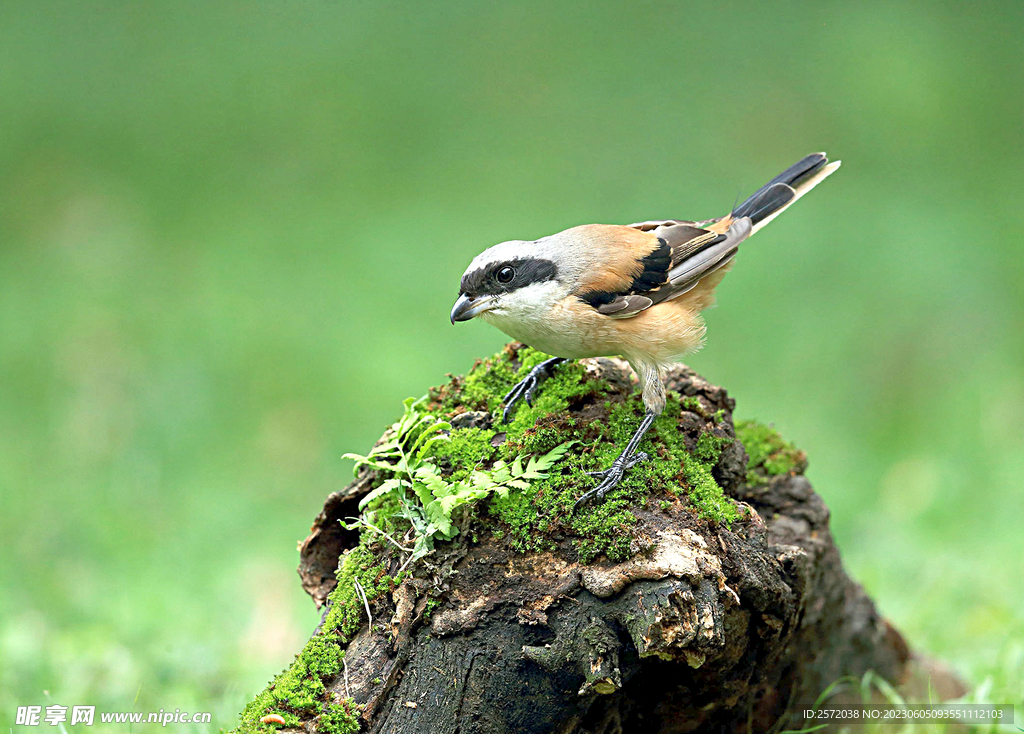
(529, 515)
(300, 690)
(489, 380)
(705, 494)
(692, 403)
(465, 449)
(769, 453)
(487, 383)
(709, 447)
(605, 528)
(432, 603)
(339, 718)
(347, 608)
(249, 721)
(568, 383)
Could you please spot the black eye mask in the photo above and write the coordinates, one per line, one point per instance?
(494, 279)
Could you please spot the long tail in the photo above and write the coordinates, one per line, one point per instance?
(779, 194)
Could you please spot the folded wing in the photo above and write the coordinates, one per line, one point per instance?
(688, 252)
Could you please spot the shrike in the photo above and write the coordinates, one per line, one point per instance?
(601, 290)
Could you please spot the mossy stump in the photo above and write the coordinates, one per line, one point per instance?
(705, 594)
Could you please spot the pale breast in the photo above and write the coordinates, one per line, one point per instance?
(571, 329)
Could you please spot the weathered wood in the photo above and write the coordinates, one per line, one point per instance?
(706, 628)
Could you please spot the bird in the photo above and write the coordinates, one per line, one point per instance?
(635, 291)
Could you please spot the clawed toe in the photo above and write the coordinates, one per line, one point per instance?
(629, 458)
(596, 494)
(610, 478)
(529, 392)
(525, 388)
(636, 459)
(513, 396)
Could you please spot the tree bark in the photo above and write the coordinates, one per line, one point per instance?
(706, 628)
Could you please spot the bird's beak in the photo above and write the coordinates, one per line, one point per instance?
(469, 306)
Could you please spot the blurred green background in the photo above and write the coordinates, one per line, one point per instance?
(230, 235)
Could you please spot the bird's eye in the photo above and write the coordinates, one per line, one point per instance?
(505, 274)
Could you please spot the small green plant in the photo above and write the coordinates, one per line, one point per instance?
(429, 501)
(404, 444)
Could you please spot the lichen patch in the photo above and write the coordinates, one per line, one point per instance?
(683, 555)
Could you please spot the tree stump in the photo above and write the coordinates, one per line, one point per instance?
(706, 626)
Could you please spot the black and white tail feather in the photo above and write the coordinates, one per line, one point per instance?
(693, 251)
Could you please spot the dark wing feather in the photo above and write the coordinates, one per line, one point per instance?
(686, 254)
(717, 253)
(632, 299)
(623, 306)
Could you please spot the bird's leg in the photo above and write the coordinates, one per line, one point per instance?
(654, 402)
(626, 461)
(526, 387)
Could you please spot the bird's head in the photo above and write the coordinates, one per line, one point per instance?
(514, 281)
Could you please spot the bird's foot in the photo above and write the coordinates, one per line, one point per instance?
(609, 478)
(526, 387)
